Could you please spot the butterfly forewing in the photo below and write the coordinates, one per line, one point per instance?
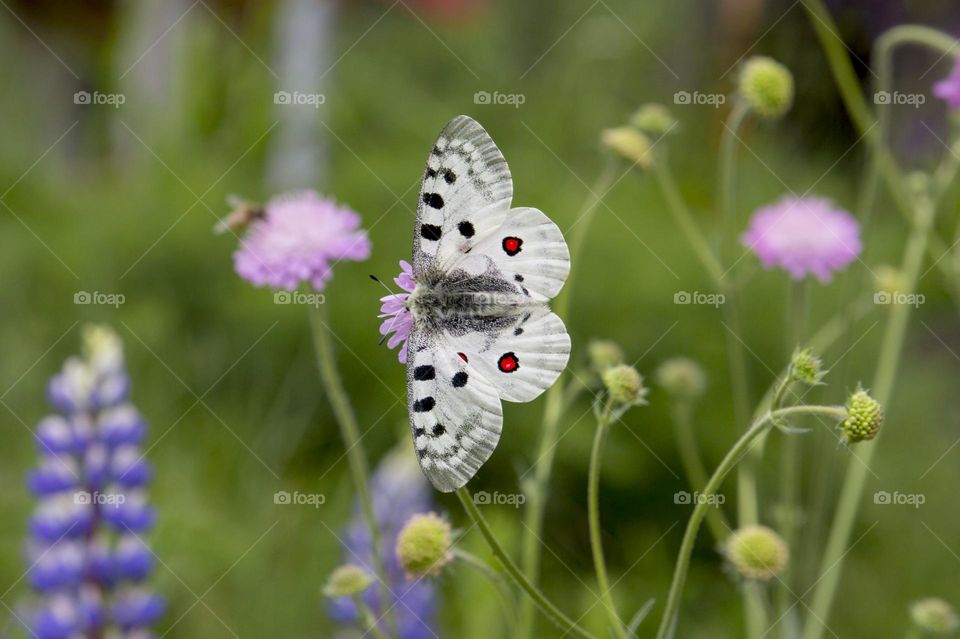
(465, 194)
(455, 413)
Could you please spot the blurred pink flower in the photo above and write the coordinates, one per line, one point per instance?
(804, 236)
(948, 89)
(399, 319)
(298, 239)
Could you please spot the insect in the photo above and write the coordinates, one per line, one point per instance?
(482, 331)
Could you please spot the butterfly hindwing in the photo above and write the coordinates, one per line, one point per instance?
(455, 414)
(464, 196)
(522, 358)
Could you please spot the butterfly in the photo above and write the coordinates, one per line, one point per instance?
(482, 331)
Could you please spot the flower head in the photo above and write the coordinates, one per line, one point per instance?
(864, 417)
(756, 552)
(806, 367)
(397, 318)
(804, 236)
(624, 384)
(948, 89)
(423, 546)
(682, 377)
(653, 119)
(934, 617)
(630, 144)
(299, 238)
(86, 550)
(766, 86)
(604, 353)
(347, 580)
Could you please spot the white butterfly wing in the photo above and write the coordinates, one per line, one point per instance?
(464, 196)
(527, 250)
(523, 358)
(455, 414)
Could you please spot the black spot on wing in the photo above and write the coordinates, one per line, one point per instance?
(424, 405)
(438, 430)
(459, 380)
(449, 176)
(423, 373)
(433, 200)
(466, 229)
(430, 232)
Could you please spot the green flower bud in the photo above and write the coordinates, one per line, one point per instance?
(682, 377)
(604, 353)
(630, 144)
(756, 552)
(653, 119)
(934, 617)
(423, 545)
(766, 86)
(347, 581)
(806, 368)
(864, 417)
(624, 384)
(889, 281)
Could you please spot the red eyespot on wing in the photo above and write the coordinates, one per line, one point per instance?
(508, 363)
(463, 357)
(512, 245)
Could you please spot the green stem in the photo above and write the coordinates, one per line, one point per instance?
(557, 397)
(493, 577)
(693, 466)
(593, 517)
(733, 456)
(350, 433)
(727, 170)
(369, 619)
(548, 608)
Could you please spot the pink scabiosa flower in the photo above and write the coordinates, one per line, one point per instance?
(397, 318)
(298, 238)
(948, 89)
(804, 236)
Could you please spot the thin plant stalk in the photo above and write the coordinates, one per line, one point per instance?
(513, 572)
(730, 460)
(593, 518)
(495, 579)
(350, 433)
(557, 398)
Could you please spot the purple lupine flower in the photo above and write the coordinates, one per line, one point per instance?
(804, 236)
(87, 558)
(399, 319)
(298, 238)
(399, 491)
(948, 89)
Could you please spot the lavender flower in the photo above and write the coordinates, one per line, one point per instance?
(804, 236)
(398, 320)
(299, 238)
(399, 491)
(87, 558)
(948, 89)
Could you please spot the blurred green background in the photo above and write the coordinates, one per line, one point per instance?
(123, 200)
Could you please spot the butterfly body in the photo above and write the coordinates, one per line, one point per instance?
(481, 330)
